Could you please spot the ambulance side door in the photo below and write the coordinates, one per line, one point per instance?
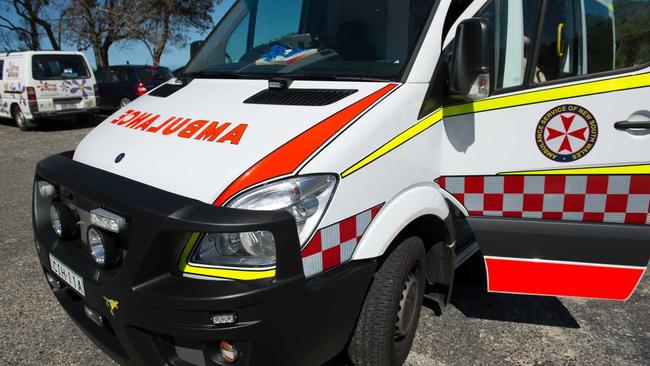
(554, 167)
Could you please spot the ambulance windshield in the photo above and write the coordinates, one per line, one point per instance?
(313, 39)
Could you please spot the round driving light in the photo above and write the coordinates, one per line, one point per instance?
(96, 246)
(102, 246)
(63, 221)
(229, 352)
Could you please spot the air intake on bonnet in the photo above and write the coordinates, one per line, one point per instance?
(304, 97)
(168, 89)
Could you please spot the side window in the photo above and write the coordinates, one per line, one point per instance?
(110, 75)
(100, 75)
(560, 43)
(632, 31)
(513, 25)
(582, 37)
(121, 75)
(2, 64)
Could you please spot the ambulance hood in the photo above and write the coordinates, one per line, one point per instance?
(199, 140)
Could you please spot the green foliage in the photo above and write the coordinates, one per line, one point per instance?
(632, 19)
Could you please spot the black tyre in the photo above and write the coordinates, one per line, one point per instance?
(390, 313)
(19, 118)
(124, 101)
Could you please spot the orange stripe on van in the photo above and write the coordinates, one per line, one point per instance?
(288, 157)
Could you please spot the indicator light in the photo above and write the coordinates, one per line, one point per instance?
(107, 220)
(224, 318)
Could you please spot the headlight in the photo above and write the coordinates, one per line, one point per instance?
(247, 249)
(102, 247)
(96, 246)
(63, 221)
(305, 198)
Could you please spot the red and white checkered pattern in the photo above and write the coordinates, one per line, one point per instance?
(593, 198)
(332, 246)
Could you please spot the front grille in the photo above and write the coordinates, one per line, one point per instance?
(300, 97)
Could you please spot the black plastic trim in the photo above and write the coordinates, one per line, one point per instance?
(602, 243)
(300, 97)
(286, 320)
(165, 90)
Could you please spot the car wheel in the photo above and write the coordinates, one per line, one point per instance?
(19, 118)
(124, 101)
(389, 317)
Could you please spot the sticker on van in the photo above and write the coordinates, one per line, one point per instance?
(566, 133)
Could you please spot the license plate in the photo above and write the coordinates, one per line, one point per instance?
(65, 106)
(67, 275)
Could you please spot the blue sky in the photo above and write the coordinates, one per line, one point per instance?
(136, 53)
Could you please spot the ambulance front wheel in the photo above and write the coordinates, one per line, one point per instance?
(389, 317)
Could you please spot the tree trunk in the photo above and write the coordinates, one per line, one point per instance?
(50, 34)
(104, 53)
(101, 55)
(35, 37)
(162, 43)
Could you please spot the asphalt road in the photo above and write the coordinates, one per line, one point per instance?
(476, 329)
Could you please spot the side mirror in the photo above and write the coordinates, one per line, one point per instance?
(472, 62)
(194, 48)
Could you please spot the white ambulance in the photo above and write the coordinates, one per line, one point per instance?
(324, 165)
(42, 84)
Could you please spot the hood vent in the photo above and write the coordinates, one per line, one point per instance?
(300, 97)
(168, 89)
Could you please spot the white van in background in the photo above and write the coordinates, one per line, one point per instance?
(41, 84)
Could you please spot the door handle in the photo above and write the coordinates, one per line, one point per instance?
(628, 125)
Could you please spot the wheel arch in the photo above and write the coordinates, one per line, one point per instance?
(421, 210)
(13, 105)
(411, 208)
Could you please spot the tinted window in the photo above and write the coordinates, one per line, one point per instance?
(332, 39)
(154, 74)
(52, 67)
(100, 75)
(275, 19)
(513, 25)
(582, 37)
(236, 45)
(1, 68)
(632, 20)
(120, 75)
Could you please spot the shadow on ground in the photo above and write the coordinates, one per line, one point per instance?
(472, 299)
(60, 124)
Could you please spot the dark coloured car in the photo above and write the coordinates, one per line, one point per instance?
(120, 85)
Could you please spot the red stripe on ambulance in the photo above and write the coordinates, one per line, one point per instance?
(554, 278)
(287, 158)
